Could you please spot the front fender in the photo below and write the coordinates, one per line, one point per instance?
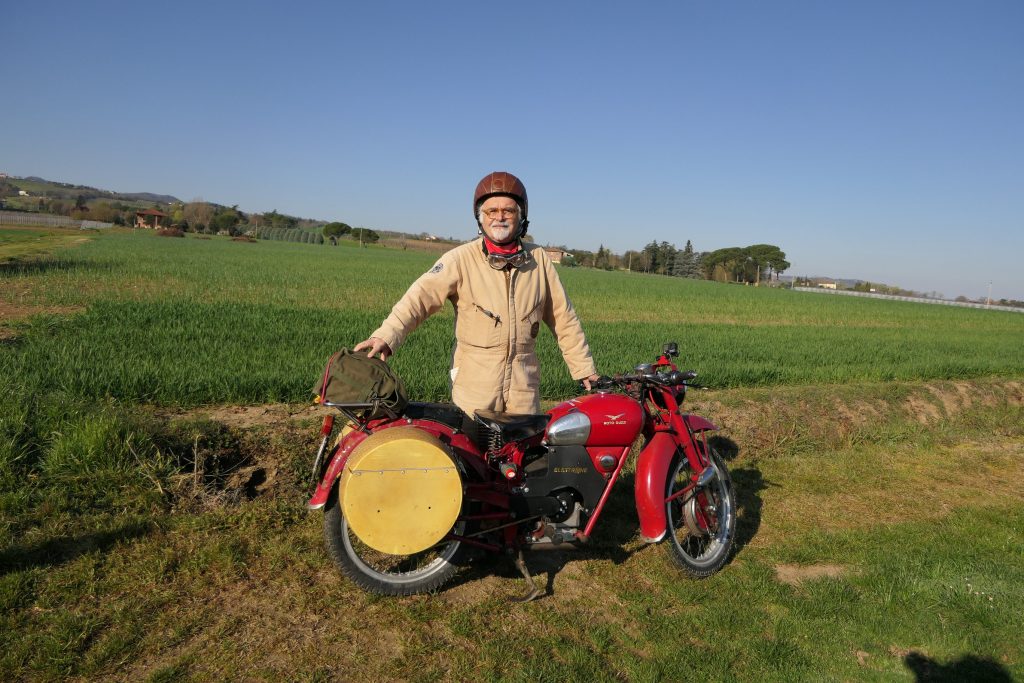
(696, 423)
(651, 473)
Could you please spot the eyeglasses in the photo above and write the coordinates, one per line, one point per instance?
(494, 213)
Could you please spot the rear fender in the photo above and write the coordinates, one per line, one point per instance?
(339, 456)
(651, 473)
(460, 445)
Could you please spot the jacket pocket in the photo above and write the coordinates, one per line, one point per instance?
(478, 326)
(528, 328)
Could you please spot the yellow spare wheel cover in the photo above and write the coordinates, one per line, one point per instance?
(400, 491)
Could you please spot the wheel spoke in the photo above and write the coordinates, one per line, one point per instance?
(386, 564)
(387, 574)
(700, 521)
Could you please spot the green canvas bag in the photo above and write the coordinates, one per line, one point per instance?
(353, 378)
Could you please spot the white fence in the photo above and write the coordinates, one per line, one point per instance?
(914, 299)
(46, 220)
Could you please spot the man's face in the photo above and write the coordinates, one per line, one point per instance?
(499, 217)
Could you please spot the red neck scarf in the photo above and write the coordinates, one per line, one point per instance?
(505, 249)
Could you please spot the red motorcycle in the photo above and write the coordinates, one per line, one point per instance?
(406, 496)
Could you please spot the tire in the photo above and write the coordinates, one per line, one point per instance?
(385, 574)
(701, 525)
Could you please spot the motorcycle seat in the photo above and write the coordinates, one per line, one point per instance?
(445, 413)
(511, 426)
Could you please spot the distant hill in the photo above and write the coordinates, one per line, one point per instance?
(57, 190)
(147, 197)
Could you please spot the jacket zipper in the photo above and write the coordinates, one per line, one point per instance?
(510, 282)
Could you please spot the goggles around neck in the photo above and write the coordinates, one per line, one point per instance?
(503, 261)
(516, 260)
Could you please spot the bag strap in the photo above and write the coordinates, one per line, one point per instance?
(327, 372)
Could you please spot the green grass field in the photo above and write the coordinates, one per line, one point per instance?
(149, 532)
(190, 322)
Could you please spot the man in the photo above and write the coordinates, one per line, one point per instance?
(502, 289)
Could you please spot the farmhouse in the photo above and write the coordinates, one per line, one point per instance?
(556, 255)
(148, 218)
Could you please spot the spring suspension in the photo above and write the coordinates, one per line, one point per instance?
(494, 442)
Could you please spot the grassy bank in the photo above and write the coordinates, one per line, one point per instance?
(870, 543)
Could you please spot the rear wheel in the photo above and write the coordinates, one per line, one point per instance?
(384, 573)
(702, 522)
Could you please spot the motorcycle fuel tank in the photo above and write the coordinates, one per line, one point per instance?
(614, 420)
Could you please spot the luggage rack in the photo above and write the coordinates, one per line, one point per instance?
(350, 410)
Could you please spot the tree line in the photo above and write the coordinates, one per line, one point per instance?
(749, 264)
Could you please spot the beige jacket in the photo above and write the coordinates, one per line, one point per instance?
(497, 319)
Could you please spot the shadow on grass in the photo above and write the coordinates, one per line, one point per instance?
(748, 482)
(614, 531)
(614, 536)
(57, 551)
(967, 668)
(37, 266)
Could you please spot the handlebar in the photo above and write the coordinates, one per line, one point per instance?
(647, 374)
(661, 379)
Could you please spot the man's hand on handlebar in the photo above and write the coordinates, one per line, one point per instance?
(596, 382)
(374, 346)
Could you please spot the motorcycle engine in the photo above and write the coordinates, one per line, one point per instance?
(561, 486)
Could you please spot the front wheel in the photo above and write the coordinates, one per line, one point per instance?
(383, 573)
(701, 522)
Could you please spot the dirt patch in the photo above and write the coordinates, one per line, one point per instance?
(248, 417)
(435, 246)
(227, 455)
(923, 410)
(11, 314)
(856, 415)
(794, 575)
(14, 312)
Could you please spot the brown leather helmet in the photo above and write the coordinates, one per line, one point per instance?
(505, 184)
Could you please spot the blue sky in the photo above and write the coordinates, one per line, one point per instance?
(873, 140)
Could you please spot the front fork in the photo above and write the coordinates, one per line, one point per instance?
(655, 463)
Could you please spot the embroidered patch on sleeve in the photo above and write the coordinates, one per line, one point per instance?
(437, 268)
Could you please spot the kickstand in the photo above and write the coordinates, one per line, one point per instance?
(534, 591)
